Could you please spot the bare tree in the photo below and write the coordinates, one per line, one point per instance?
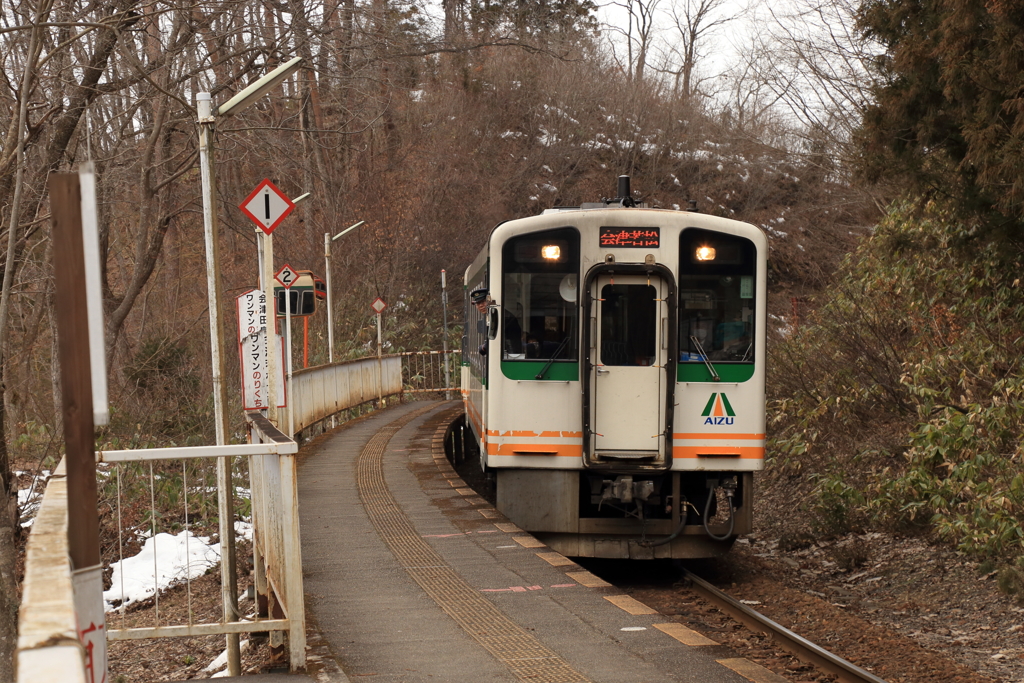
(816, 63)
(694, 22)
(639, 35)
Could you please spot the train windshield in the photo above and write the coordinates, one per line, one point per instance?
(540, 294)
(716, 297)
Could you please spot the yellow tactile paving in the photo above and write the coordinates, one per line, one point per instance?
(587, 579)
(631, 605)
(751, 671)
(528, 541)
(556, 559)
(463, 491)
(507, 527)
(489, 513)
(684, 635)
(526, 657)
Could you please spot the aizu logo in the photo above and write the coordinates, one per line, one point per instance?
(718, 411)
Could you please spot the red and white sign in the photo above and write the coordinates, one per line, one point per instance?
(267, 206)
(251, 307)
(378, 305)
(252, 352)
(286, 276)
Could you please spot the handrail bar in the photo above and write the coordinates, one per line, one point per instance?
(268, 429)
(182, 452)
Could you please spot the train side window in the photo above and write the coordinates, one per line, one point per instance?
(540, 291)
(717, 275)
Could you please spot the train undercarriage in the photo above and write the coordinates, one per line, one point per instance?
(625, 514)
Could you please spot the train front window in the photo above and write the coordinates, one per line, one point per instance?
(717, 274)
(540, 291)
(629, 322)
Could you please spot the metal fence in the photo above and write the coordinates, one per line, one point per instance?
(274, 506)
(430, 371)
(50, 645)
(318, 393)
(322, 391)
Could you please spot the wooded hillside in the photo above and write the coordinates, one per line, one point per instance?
(430, 123)
(431, 131)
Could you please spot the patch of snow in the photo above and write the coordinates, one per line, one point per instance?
(243, 530)
(29, 499)
(177, 558)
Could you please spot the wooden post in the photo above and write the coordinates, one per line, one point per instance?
(75, 376)
(79, 430)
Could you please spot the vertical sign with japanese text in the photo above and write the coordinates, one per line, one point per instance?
(252, 351)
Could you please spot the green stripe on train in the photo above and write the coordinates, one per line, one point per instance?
(560, 371)
(698, 372)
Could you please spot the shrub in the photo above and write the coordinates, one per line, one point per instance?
(904, 392)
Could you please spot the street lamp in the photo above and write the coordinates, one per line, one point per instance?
(327, 266)
(204, 111)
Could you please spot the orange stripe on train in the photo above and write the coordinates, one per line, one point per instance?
(741, 452)
(737, 437)
(536, 449)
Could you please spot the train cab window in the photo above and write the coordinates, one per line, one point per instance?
(716, 297)
(629, 323)
(540, 291)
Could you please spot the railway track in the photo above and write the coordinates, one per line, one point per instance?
(787, 640)
(894, 656)
(791, 642)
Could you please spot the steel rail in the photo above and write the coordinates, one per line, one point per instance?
(789, 641)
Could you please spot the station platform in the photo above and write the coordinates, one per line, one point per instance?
(410, 576)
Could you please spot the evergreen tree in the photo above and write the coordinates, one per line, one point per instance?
(948, 115)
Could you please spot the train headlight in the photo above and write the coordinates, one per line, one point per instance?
(551, 252)
(705, 253)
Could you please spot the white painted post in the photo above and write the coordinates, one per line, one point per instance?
(288, 360)
(293, 564)
(204, 111)
(93, 293)
(330, 311)
(273, 352)
(380, 370)
(444, 358)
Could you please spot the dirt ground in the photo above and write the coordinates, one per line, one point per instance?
(900, 607)
(177, 659)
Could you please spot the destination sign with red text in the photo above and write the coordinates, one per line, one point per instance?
(630, 237)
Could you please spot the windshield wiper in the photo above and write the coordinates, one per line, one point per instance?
(704, 356)
(540, 375)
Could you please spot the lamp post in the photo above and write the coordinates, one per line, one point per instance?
(444, 339)
(330, 307)
(204, 111)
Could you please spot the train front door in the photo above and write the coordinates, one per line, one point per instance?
(629, 317)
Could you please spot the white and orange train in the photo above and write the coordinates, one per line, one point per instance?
(613, 376)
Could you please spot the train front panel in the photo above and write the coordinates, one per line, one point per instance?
(624, 360)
